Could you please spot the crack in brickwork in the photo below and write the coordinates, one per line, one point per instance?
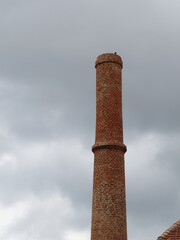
(109, 200)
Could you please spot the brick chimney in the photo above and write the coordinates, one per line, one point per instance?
(109, 199)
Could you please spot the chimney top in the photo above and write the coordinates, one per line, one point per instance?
(109, 57)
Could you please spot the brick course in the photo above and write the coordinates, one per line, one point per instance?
(109, 200)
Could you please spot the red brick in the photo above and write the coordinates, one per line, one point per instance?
(109, 200)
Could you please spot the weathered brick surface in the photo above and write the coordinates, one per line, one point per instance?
(109, 202)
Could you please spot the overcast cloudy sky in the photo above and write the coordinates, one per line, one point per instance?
(47, 113)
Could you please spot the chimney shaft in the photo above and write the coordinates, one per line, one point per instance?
(109, 200)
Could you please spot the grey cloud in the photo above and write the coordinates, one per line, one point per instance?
(42, 171)
(47, 167)
(47, 217)
(47, 94)
(153, 185)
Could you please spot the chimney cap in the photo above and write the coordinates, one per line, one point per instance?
(109, 57)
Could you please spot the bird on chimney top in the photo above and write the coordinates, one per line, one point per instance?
(115, 53)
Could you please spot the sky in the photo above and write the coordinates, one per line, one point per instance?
(48, 50)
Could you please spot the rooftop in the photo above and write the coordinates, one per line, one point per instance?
(172, 232)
